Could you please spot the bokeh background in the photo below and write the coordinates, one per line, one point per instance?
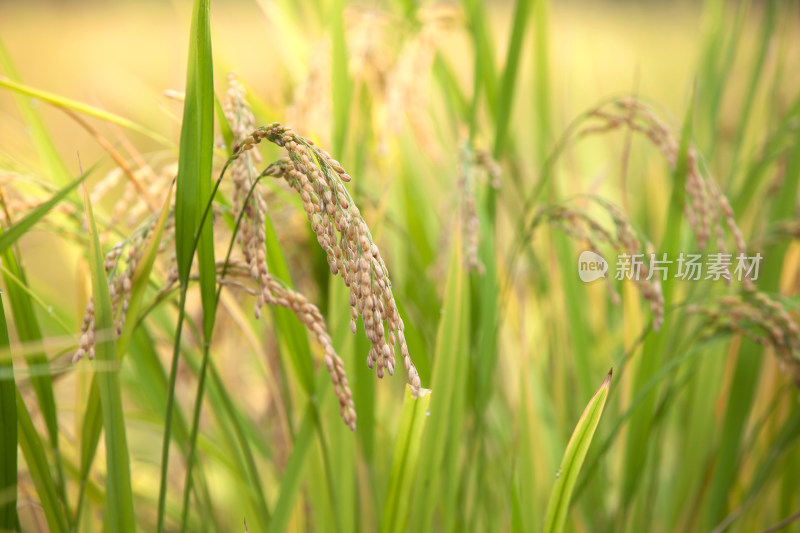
(701, 427)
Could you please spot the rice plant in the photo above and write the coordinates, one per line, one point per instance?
(372, 267)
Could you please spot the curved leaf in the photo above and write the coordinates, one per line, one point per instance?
(573, 459)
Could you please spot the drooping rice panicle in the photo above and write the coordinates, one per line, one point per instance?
(761, 318)
(707, 209)
(344, 236)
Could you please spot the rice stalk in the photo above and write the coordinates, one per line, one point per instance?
(760, 318)
(708, 211)
(344, 236)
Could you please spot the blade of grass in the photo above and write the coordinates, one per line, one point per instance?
(20, 228)
(119, 494)
(484, 55)
(193, 194)
(36, 299)
(47, 151)
(405, 460)
(293, 473)
(484, 291)
(767, 30)
(542, 108)
(653, 350)
(36, 459)
(454, 478)
(91, 428)
(343, 442)
(194, 164)
(508, 83)
(574, 455)
(80, 107)
(29, 331)
(774, 150)
(486, 286)
(718, 79)
(698, 427)
(8, 437)
(748, 365)
(446, 78)
(92, 419)
(687, 360)
(448, 391)
(788, 435)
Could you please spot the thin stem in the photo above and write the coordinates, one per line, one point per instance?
(204, 368)
(783, 523)
(162, 495)
(173, 374)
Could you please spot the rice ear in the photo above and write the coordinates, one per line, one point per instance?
(344, 236)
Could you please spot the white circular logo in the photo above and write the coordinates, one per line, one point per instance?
(591, 266)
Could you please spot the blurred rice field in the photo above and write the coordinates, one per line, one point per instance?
(489, 144)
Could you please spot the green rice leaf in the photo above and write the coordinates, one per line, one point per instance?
(405, 460)
(92, 424)
(196, 150)
(509, 80)
(47, 151)
(20, 228)
(39, 470)
(193, 226)
(80, 107)
(29, 331)
(744, 384)
(574, 455)
(448, 392)
(91, 428)
(119, 495)
(8, 437)
(653, 350)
